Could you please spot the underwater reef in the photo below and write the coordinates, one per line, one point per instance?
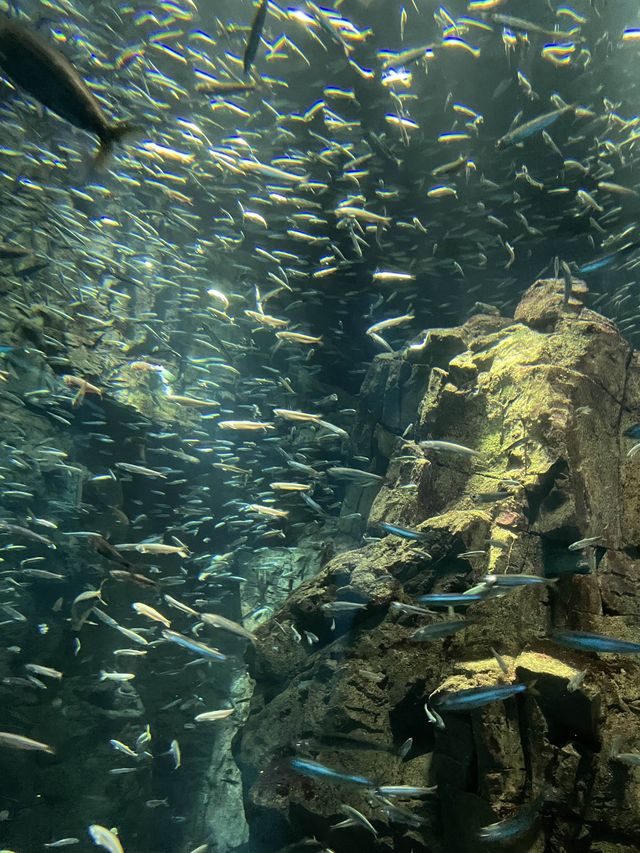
(503, 466)
(545, 399)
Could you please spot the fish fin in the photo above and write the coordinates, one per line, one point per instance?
(113, 135)
(532, 689)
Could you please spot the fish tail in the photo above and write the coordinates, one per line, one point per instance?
(113, 134)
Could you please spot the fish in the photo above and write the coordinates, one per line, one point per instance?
(210, 716)
(490, 497)
(175, 753)
(8, 251)
(298, 338)
(290, 415)
(186, 400)
(132, 577)
(531, 128)
(528, 26)
(317, 770)
(502, 663)
(140, 469)
(568, 284)
(270, 511)
(448, 447)
(355, 475)
(576, 681)
(385, 276)
(46, 671)
(15, 741)
(200, 649)
(631, 759)
(406, 57)
(179, 605)
(214, 620)
(437, 630)
(405, 749)
(356, 818)
(606, 260)
(250, 426)
(83, 605)
(41, 70)
(403, 532)
(210, 86)
(155, 548)
(511, 828)
(584, 543)
(255, 35)
(127, 632)
(343, 606)
(105, 838)
(406, 791)
(290, 487)
(390, 323)
(117, 677)
(26, 533)
(510, 581)
(471, 698)
(42, 574)
(150, 613)
(122, 747)
(402, 816)
(450, 599)
(266, 286)
(586, 642)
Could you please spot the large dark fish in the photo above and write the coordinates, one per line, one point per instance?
(42, 71)
(254, 36)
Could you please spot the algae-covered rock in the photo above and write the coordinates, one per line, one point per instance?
(543, 403)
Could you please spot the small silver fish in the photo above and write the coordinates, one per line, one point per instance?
(437, 630)
(407, 791)
(355, 475)
(434, 717)
(448, 446)
(343, 606)
(357, 817)
(174, 752)
(21, 742)
(405, 749)
(584, 543)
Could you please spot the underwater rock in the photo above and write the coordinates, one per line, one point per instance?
(544, 303)
(544, 403)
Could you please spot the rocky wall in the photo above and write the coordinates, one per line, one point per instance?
(545, 400)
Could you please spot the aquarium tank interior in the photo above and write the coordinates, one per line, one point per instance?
(319, 426)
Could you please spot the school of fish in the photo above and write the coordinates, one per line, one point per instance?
(279, 192)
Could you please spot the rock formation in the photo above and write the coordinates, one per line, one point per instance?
(545, 399)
